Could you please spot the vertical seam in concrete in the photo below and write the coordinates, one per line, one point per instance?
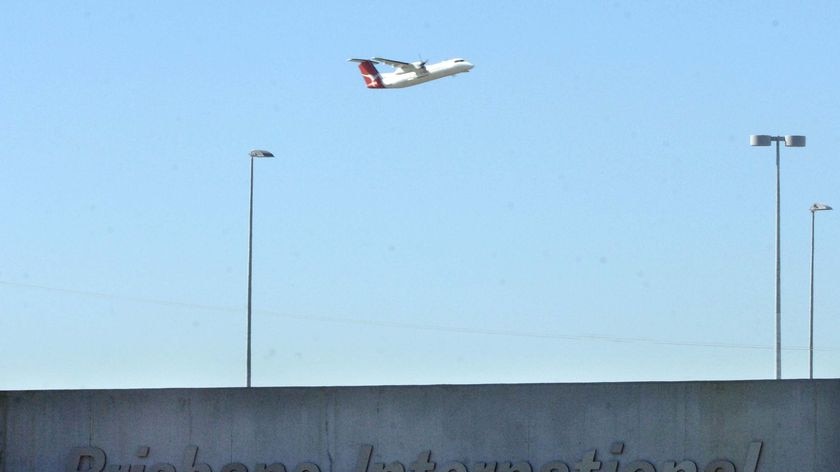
(328, 415)
(4, 426)
(190, 417)
(814, 444)
(685, 406)
(232, 428)
(529, 432)
(90, 417)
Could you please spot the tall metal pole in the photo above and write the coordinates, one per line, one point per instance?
(254, 154)
(811, 305)
(814, 209)
(250, 260)
(790, 141)
(778, 267)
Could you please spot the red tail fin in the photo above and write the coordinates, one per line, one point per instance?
(371, 75)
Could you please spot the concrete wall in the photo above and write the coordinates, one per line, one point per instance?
(674, 427)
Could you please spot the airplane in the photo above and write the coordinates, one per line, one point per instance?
(407, 74)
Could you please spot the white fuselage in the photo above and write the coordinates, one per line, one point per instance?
(430, 72)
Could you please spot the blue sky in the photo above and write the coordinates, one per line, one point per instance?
(582, 206)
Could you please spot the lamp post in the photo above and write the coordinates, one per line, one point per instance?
(790, 141)
(814, 209)
(254, 154)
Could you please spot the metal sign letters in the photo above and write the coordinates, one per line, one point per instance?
(94, 459)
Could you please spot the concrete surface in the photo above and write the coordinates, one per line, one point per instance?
(675, 427)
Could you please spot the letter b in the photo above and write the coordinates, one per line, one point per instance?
(189, 461)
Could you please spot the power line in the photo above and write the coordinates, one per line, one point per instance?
(111, 296)
(416, 326)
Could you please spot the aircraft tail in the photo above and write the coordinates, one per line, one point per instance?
(372, 78)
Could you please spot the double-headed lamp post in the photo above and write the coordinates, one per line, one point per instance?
(814, 209)
(254, 154)
(790, 141)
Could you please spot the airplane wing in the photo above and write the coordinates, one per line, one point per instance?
(403, 67)
(392, 63)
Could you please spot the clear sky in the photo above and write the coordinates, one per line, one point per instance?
(582, 206)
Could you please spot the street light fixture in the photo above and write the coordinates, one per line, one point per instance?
(254, 154)
(814, 209)
(790, 141)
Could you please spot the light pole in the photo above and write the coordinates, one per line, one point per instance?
(254, 154)
(790, 141)
(814, 209)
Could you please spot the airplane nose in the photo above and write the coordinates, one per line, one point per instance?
(469, 65)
